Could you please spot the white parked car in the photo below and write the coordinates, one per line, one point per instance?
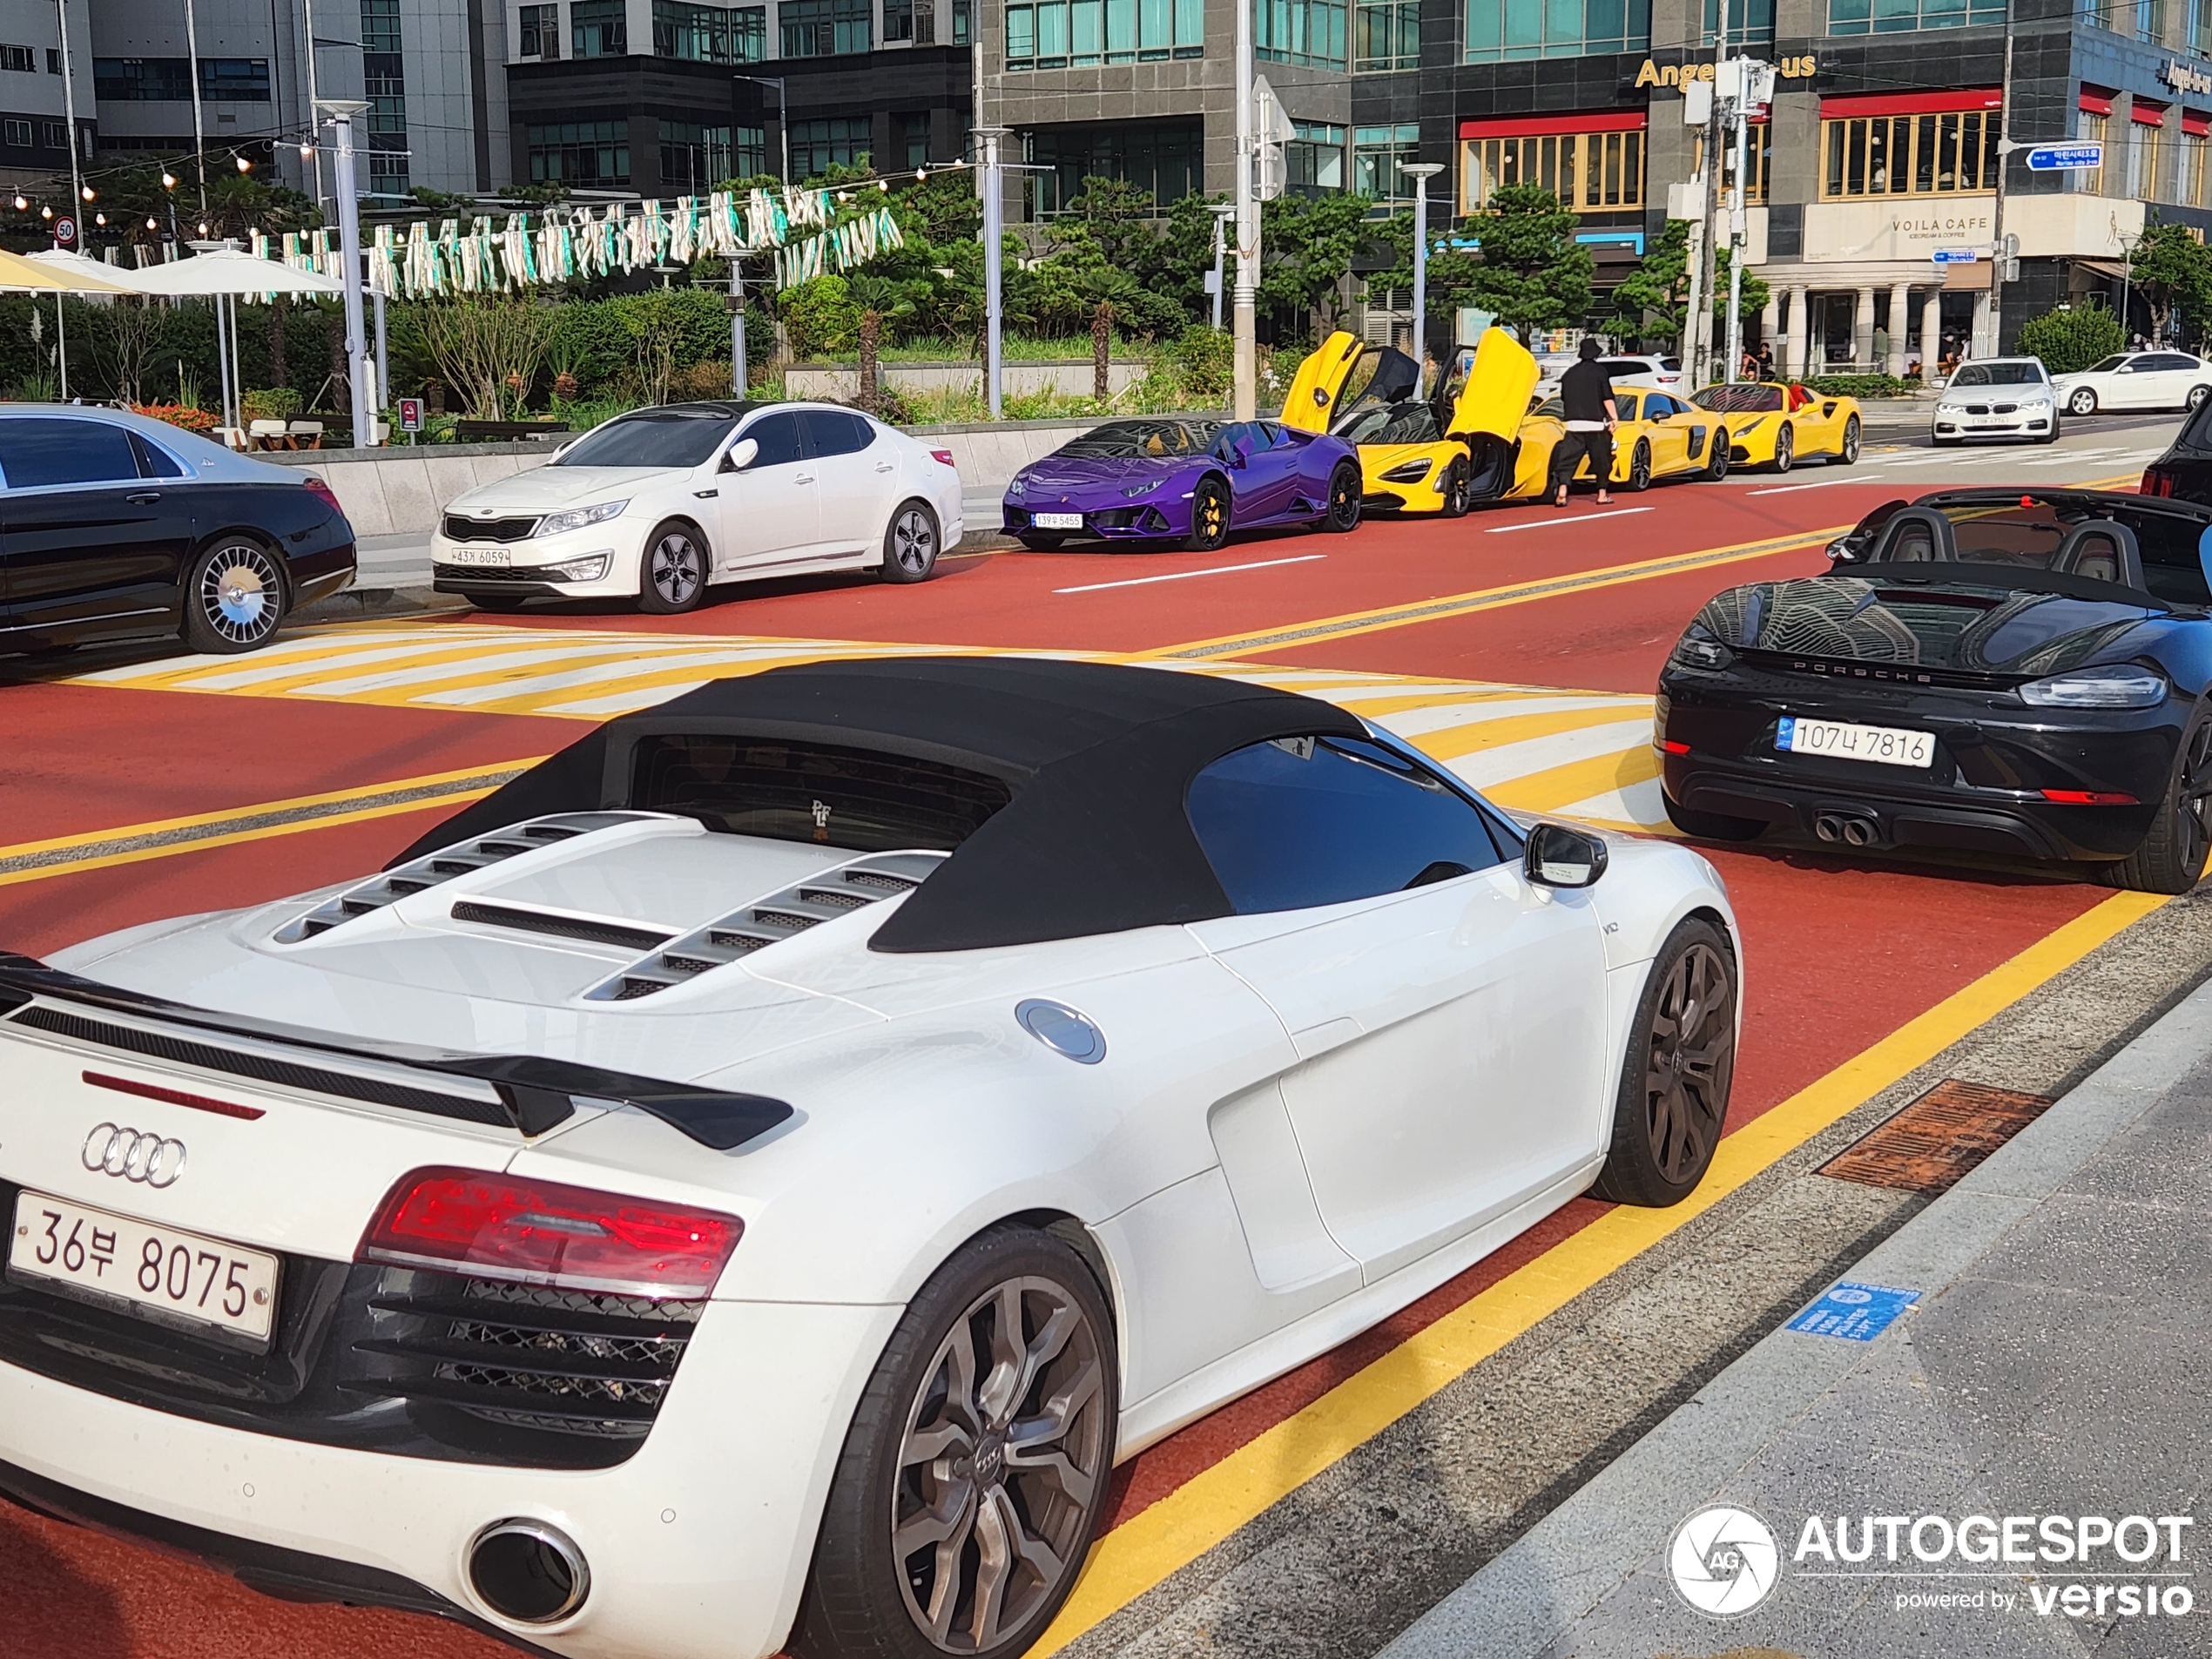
(1996, 397)
(750, 1177)
(1626, 368)
(660, 504)
(2137, 380)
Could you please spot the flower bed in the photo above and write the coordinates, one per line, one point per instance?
(177, 415)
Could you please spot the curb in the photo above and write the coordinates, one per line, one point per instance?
(1540, 1588)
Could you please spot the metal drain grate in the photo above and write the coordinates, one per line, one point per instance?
(1929, 1145)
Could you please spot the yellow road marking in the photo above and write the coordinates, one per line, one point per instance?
(1449, 743)
(1557, 786)
(1161, 1540)
(162, 838)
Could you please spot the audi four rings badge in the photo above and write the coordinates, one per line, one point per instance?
(147, 1159)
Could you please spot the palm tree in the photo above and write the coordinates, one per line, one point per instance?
(881, 301)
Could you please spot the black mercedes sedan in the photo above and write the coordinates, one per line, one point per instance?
(2019, 672)
(117, 526)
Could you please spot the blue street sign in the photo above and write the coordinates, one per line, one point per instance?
(1955, 256)
(2057, 158)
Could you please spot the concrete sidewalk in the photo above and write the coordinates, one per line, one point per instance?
(2057, 1363)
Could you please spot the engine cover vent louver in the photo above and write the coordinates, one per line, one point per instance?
(778, 917)
(446, 863)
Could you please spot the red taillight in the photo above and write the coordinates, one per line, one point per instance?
(1668, 745)
(322, 492)
(2156, 482)
(2088, 798)
(945, 455)
(542, 1233)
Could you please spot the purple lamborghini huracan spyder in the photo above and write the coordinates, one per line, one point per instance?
(1170, 478)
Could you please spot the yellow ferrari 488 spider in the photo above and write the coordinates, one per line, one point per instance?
(1772, 424)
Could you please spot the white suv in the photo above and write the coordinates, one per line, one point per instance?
(1997, 397)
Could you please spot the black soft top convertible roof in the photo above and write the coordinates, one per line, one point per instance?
(1097, 756)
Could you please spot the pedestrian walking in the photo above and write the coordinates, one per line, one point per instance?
(1586, 399)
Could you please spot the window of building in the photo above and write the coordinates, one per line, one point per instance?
(1300, 823)
(234, 80)
(1378, 154)
(1061, 34)
(53, 60)
(1910, 155)
(2188, 183)
(910, 138)
(709, 34)
(161, 80)
(2090, 128)
(384, 84)
(1386, 35)
(825, 28)
(1888, 17)
(1301, 31)
(748, 152)
(1165, 158)
(898, 20)
(19, 57)
(15, 134)
(1751, 23)
(1759, 153)
(2143, 147)
(1313, 161)
(694, 158)
(1588, 172)
(600, 29)
(579, 152)
(54, 134)
(1500, 30)
(840, 141)
(539, 35)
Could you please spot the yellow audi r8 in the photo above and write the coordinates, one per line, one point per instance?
(1659, 436)
(1774, 424)
(1439, 454)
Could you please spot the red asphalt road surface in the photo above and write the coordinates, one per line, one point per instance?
(1837, 954)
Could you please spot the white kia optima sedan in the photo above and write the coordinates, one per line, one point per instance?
(659, 504)
(747, 1181)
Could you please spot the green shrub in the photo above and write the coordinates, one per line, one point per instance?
(2070, 339)
(821, 317)
(1205, 360)
(1862, 386)
(273, 403)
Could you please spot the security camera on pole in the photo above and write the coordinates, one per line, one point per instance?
(342, 111)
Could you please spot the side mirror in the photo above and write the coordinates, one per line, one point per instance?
(742, 455)
(1239, 454)
(1560, 857)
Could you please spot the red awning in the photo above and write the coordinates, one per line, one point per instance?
(1849, 106)
(2197, 123)
(2097, 99)
(2146, 114)
(1537, 126)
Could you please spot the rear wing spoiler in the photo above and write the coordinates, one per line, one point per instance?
(528, 1093)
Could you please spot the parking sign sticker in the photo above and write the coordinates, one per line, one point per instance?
(1855, 1313)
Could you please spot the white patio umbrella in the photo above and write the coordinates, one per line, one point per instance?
(221, 274)
(56, 272)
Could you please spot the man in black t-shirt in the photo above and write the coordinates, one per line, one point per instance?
(1586, 399)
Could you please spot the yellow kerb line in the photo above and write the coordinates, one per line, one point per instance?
(1202, 1512)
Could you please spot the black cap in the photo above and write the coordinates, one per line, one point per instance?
(1592, 351)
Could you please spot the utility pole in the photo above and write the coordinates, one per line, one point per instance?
(314, 98)
(68, 115)
(1245, 314)
(342, 113)
(199, 121)
(1751, 86)
(994, 183)
(1702, 365)
(2000, 253)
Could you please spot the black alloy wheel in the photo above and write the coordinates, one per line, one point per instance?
(910, 543)
(1209, 508)
(2172, 856)
(1716, 460)
(2081, 401)
(1675, 1081)
(234, 597)
(972, 1481)
(674, 577)
(1344, 485)
(1459, 487)
(1640, 466)
(1785, 448)
(1849, 454)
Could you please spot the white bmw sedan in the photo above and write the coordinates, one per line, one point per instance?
(2136, 380)
(659, 504)
(740, 1187)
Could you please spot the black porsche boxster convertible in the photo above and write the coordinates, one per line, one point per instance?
(2007, 671)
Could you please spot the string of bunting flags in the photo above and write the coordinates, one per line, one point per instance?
(417, 261)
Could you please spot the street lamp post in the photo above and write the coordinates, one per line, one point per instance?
(1420, 173)
(783, 115)
(198, 123)
(993, 179)
(1245, 315)
(342, 111)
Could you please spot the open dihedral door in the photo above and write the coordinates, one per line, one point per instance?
(1495, 379)
(1310, 404)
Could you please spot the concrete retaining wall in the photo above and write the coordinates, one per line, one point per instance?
(1068, 378)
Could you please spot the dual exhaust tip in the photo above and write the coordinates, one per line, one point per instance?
(529, 1572)
(1852, 829)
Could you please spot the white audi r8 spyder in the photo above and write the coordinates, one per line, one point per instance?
(659, 504)
(745, 1182)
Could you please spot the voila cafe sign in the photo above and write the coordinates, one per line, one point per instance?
(1675, 75)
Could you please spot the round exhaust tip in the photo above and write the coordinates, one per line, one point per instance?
(1826, 827)
(1858, 832)
(528, 1571)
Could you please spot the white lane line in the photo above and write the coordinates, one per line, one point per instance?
(1818, 483)
(1550, 523)
(1184, 575)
